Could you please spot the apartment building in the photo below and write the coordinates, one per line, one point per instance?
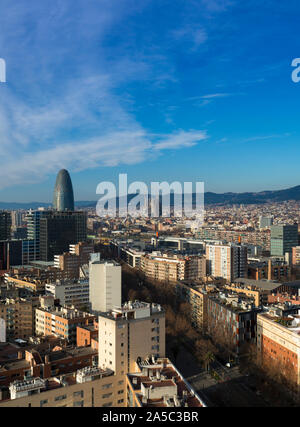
(231, 319)
(172, 268)
(278, 341)
(129, 252)
(61, 322)
(33, 284)
(105, 284)
(88, 387)
(270, 270)
(227, 261)
(296, 255)
(70, 262)
(87, 335)
(196, 296)
(135, 330)
(184, 245)
(70, 292)
(55, 376)
(259, 295)
(82, 250)
(158, 383)
(36, 362)
(18, 316)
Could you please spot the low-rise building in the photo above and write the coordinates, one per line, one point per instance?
(61, 322)
(158, 383)
(86, 387)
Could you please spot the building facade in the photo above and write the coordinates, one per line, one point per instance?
(105, 285)
(135, 330)
(283, 239)
(227, 261)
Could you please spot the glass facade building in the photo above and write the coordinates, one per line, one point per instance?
(283, 239)
(63, 199)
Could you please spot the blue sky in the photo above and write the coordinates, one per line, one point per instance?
(196, 90)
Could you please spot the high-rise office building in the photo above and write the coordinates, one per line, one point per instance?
(105, 285)
(10, 253)
(5, 225)
(63, 199)
(227, 261)
(33, 233)
(283, 239)
(16, 219)
(52, 231)
(60, 229)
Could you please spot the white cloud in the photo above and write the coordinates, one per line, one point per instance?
(58, 114)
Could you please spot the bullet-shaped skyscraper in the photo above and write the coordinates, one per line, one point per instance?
(63, 199)
(62, 226)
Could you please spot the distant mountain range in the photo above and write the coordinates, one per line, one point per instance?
(209, 198)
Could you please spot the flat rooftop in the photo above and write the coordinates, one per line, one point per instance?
(133, 310)
(268, 285)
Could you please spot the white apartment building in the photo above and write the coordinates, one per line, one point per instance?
(135, 331)
(105, 285)
(70, 292)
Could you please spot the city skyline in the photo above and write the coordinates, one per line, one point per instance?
(166, 92)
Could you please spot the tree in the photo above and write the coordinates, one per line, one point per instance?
(205, 352)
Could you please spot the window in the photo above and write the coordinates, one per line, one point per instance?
(78, 404)
(61, 397)
(107, 404)
(43, 402)
(78, 393)
(106, 386)
(105, 396)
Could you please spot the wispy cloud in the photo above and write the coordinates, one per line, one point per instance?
(194, 36)
(202, 100)
(266, 137)
(75, 114)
